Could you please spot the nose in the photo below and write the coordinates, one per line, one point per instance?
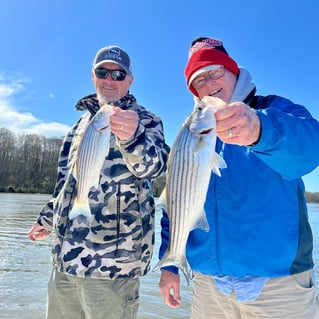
(107, 77)
(209, 80)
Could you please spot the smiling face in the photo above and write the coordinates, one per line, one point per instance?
(108, 89)
(221, 87)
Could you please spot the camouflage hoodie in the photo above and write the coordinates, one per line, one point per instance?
(119, 242)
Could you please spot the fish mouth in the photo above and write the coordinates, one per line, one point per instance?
(205, 132)
(104, 127)
(215, 92)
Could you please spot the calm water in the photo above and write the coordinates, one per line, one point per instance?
(25, 266)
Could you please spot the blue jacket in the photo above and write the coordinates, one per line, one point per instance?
(257, 209)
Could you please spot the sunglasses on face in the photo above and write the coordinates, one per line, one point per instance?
(116, 75)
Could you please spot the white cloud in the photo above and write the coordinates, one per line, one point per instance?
(52, 129)
(7, 90)
(24, 122)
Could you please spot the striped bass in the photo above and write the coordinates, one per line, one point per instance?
(191, 161)
(93, 149)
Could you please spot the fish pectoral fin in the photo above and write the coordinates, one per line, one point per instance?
(162, 202)
(202, 222)
(73, 169)
(96, 182)
(217, 162)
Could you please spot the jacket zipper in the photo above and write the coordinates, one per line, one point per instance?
(118, 212)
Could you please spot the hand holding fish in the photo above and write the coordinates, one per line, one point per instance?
(170, 282)
(236, 123)
(123, 123)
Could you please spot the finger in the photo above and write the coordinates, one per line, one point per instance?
(36, 227)
(216, 102)
(31, 236)
(173, 303)
(225, 113)
(126, 123)
(38, 234)
(165, 292)
(169, 299)
(121, 115)
(175, 297)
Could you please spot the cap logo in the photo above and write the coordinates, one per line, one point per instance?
(113, 54)
(206, 43)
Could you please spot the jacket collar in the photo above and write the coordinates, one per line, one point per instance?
(91, 103)
(245, 88)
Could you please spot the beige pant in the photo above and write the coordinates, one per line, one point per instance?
(291, 297)
(71, 297)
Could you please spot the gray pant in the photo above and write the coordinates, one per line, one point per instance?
(72, 297)
(292, 297)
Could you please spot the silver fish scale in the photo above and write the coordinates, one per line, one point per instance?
(92, 151)
(184, 176)
(87, 160)
(191, 161)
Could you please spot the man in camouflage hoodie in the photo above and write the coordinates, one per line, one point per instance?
(97, 265)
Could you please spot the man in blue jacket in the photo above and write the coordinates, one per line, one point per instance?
(256, 259)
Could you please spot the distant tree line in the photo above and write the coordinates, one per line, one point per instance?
(312, 197)
(28, 164)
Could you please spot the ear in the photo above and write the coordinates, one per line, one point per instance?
(131, 79)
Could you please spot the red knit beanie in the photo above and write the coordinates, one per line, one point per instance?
(207, 51)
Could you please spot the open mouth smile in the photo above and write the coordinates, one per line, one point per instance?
(215, 92)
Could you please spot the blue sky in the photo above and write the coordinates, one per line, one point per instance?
(47, 48)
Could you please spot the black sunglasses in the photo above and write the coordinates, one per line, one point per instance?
(116, 75)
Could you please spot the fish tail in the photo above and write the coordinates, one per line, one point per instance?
(169, 260)
(80, 208)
